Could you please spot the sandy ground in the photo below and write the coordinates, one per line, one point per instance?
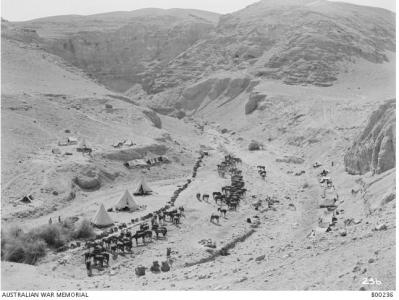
(304, 122)
(291, 259)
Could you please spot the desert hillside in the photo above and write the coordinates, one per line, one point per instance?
(123, 48)
(199, 104)
(45, 100)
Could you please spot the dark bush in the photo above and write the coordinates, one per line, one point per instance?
(84, 230)
(51, 234)
(17, 246)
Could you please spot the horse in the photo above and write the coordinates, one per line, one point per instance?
(216, 194)
(233, 205)
(262, 174)
(222, 211)
(205, 197)
(218, 198)
(198, 196)
(159, 230)
(144, 227)
(214, 217)
(176, 218)
(142, 234)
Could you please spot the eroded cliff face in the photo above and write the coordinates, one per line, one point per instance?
(303, 42)
(297, 42)
(374, 150)
(131, 54)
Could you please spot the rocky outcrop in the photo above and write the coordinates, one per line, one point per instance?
(374, 149)
(302, 42)
(297, 42)
(253, 102)
(222, 89)
(121, 51)
(153, 117)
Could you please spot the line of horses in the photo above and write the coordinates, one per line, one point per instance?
(106, 243)
(230, 195)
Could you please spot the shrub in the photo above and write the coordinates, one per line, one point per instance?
(84, 230)
(53, 235)
(26, 251)
(14, 251)
(17, 246)
(34, 250)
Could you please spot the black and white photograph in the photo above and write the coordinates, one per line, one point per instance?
(224, 145)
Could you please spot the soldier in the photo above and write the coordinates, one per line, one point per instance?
(88, 268)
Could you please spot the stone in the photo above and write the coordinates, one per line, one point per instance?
(380, 227)
(260, 258)
(371, 260)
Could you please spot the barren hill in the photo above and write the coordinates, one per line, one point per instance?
(297, 42)
(298, 79)
(123, 48)
(45, 100)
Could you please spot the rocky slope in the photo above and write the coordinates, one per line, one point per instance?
(298, 42)
(374, 150)
(123, 48)
(44, 101)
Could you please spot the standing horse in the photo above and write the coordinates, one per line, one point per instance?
(214, 217)
(222, 211)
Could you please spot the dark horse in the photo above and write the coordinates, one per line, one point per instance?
(142, 234)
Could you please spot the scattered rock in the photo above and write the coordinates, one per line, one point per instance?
(254, 146)
(371, 260)
(356, 269)
(260, 258)
(380, 227)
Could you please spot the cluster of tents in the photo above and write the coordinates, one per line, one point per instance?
(146, 162)
(125, 203)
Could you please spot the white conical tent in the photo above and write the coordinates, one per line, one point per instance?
(102, 218)
(126, 202)
(143, 187)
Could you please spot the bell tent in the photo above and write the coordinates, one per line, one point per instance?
(126, 202)
(102, 218)
(143, 188)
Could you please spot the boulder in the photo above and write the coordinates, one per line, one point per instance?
(153, 117)
(253, 102)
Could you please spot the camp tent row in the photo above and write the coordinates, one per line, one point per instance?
(102, 218)
(126, 202)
